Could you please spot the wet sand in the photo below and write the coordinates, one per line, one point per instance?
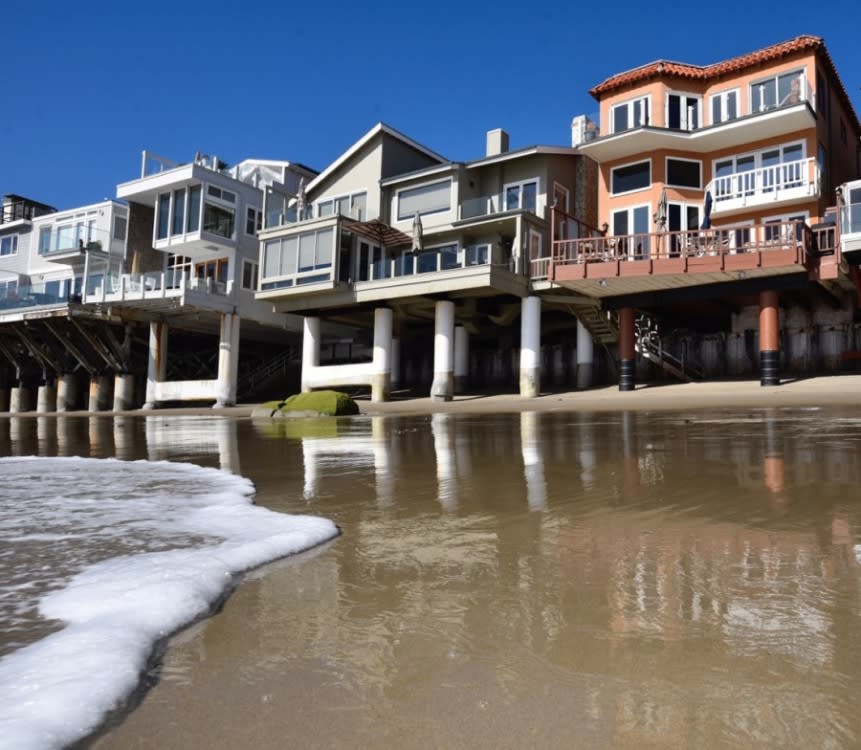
(833, 390)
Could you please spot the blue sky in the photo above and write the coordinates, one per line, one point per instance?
(88, 87)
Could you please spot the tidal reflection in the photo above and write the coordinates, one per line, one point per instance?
(539, 579)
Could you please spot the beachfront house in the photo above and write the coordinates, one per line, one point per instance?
(426, 258)
(194, 269)
(715, 190)
(49, 261)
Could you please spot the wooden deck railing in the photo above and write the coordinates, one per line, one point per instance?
(685, 244)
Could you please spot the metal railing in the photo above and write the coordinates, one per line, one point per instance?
(154, 284)
(34, 295)
(22, 210)
(489, 205)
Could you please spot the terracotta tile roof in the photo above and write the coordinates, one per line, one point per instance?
(708, 73)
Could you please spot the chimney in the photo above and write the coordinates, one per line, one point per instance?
(497, 142)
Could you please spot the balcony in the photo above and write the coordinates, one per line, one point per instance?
(775, 186)
(495, 206)
(159, 291)
(772, 119)
(15, 209)
(614, 265)
(24, 297)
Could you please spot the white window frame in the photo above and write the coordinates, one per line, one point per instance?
(340, 196)
(685, 125)
(255, 273)
(520, 184)
(722, 96)
(788, 216)
(631, 164)
(733, 230)
(802, 74)
(629, 103)
(258, 220)
(12, 241)
(407, 217)
(630, 252)
(690, 161)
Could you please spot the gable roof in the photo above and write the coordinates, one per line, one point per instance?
(380, 127)
(773, 53)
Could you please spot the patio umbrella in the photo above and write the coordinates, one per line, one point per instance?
(418, 239)
(707, 211)
(661, 211)
(300, 200)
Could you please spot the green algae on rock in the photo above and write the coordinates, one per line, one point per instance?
(313, 404)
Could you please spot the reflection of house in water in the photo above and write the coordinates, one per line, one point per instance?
(191, 438)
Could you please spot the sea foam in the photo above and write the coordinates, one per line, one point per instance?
(127, 552)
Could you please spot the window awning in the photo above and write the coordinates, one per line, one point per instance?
(378, 232)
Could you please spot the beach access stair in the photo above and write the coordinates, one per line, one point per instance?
(259, 378)
(603, 326)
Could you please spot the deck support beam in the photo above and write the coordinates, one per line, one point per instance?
(627, 354)
(461, 359)
(585, 356)
(530, 347)
(442, 388)
(769, 339)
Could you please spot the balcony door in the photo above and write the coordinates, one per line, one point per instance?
(683, 111)
(631, 232)
(681, 217)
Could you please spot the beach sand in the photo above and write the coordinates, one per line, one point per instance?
(826, 390)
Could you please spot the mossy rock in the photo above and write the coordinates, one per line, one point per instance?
(313, 404)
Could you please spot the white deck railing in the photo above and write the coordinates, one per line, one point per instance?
(786, 181)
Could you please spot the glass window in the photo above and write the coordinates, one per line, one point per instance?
(631, 177)
(306, 251)
(424, 199)
(9, 245)
(272, 258)
(683, 111)
(66, 236)
(684, 173)
(162, 227)
(512, 198)
(194, 208)
(178, 212)
(632, 114)
(426, 262)
(44, 240)
(777, 91)
(218, 220)
(289, 255)
(249, 275)
(120, 225)
(448, 257)
(250, 220)
(523, 196)
(325, 247)
(325, 208)
(360, 201)
(724, 106)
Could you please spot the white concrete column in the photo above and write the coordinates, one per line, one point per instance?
(396, 362)
(585, 356)
(461, 359)
(124, 391)
(100, 393)
(530, 347)
(442, 388)
(19, 399)
(228, 360)
(310, 350)
(156, 362)
(67, 385)
(46, 398)
(381, 375)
